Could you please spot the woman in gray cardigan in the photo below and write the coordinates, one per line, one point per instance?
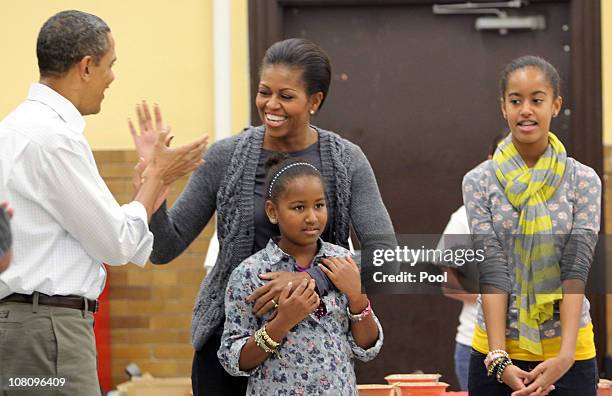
(294, 81)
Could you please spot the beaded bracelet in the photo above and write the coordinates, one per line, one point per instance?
(500, 369)
(493, 355)
(265, 342)
(269, 341)
(261, 342)
(361, 315)
(493, 365)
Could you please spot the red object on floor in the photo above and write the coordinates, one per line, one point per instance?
(102, 332)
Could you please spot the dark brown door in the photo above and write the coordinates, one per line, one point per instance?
(419, 93)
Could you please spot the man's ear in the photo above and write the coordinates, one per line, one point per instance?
(84, 66)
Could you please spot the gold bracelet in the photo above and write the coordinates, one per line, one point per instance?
(271, 343)
(493, 355)
(261, 343)
(493, 365)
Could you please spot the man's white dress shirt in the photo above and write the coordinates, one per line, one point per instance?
(66, 222)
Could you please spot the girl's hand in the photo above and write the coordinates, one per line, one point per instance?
(544, 375)
(514, 377)
(267, 296)
(344, 274)
(294, 306)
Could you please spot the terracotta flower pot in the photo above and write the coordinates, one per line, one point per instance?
(378, 390)
(422, 388)
(396, 378)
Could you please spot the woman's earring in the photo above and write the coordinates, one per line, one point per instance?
(312, 112)
(272, 220)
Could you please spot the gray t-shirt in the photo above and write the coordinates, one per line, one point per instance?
(5, 232)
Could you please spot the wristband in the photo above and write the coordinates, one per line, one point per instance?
(361, 315)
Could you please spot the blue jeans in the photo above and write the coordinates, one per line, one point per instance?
(462, 364)
(580, 380)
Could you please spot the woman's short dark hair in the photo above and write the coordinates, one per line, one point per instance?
(305, 55)
(66, 38)
(281, 169)
(551, 74)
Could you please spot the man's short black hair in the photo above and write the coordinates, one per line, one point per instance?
(66, 38)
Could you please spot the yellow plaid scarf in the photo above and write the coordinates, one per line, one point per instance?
(537, 268)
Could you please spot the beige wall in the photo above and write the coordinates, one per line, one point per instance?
(240, 66)
(164, 51)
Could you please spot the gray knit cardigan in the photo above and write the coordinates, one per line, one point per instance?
(5, 232)
(226, 183)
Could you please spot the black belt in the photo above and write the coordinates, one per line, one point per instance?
(75, 302)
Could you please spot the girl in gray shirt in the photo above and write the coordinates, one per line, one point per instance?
(536, 212)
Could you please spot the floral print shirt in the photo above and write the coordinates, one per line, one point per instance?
(316, 356)
(574, 209)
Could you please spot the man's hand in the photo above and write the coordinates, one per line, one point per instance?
(170, 164)
(137, 182)
(267, 295)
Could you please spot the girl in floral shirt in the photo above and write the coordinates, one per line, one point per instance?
(306, 346)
